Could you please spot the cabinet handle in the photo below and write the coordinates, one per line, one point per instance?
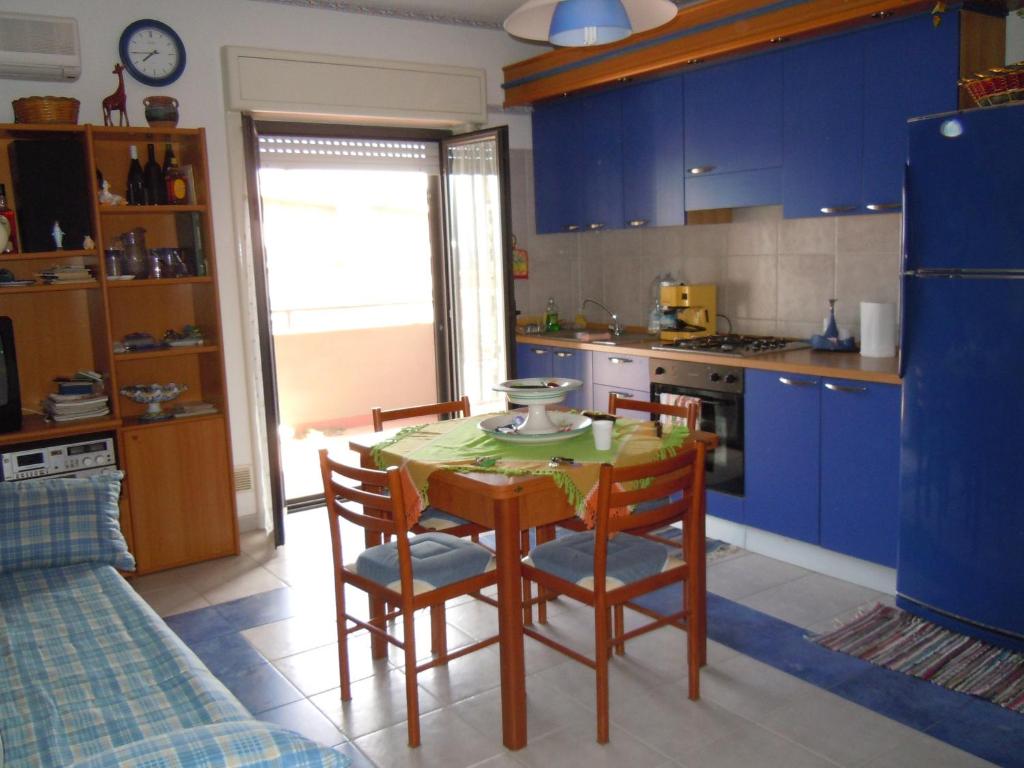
(625, 395)
(564, 354)
(619, 360)
(572, 227)
(539, 351)
(797, 382)
(697, 171)
(838, 208)
(884, 206)
(638, 223)
(595, 226)
(844, 388)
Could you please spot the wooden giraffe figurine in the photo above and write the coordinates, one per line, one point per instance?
(116, 100)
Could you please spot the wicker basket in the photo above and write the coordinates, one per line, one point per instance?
(46, 109)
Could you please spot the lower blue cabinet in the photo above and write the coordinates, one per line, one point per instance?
(860, 454)
(822, 462)
(782, 446)
(540, 361)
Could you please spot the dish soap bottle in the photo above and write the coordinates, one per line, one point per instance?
(831, 328)
(551, 317)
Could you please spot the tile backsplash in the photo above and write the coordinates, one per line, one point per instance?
(774, 275)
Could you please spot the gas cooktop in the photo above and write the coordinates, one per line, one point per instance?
(732, 345)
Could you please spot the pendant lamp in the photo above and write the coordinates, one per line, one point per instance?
(587, 22)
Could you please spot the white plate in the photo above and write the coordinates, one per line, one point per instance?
(17, 283)
(570, 424)
(120, 277)
(548, 391)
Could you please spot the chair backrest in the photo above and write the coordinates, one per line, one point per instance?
(689, 414)
(384, 514)
(452, 407)
(671, 490)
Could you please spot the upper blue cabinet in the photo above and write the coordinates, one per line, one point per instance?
(557, 166)
(847, 102)
(733, 131)
(601, 154)
(652, 154)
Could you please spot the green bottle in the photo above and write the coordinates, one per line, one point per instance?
(551, 317)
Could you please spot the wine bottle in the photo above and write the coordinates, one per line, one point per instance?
(7, 213)
(156, 192)
(135, 193)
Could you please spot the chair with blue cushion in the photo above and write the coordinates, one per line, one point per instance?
(432, 518)
(619, 560)
(407, 573)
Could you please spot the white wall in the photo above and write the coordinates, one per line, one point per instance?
(206, 26)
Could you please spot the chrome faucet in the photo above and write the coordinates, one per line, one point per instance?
(614, 326)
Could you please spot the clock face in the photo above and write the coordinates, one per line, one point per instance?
(152, 52)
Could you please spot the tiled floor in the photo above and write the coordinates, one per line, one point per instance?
(263, 622)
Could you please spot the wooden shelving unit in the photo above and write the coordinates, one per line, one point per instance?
(179, 502)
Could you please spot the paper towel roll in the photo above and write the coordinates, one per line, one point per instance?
(877, 329)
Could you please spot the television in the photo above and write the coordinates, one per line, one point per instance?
(10, 392)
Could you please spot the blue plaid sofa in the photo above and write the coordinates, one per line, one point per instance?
(90, 677)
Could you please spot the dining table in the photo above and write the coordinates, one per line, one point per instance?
(507, 487)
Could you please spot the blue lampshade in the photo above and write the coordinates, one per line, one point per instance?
(589, 22)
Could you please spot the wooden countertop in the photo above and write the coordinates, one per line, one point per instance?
(844, 365)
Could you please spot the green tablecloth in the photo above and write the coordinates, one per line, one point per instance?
(459, 445)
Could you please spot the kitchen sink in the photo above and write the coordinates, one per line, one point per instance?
(627, 340)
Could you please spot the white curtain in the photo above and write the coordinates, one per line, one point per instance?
(477, 264)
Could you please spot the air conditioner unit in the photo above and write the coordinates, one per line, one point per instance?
(39, 47)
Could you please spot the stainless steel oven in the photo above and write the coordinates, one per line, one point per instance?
(720, 390)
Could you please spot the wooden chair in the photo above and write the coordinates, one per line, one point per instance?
(406, 573)
(689, 414)
(608, 567)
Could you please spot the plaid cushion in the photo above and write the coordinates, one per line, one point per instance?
(239, 745)
(48, 523)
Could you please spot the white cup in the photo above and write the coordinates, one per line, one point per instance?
(602, 429)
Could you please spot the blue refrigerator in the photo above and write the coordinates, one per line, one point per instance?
(961, 552)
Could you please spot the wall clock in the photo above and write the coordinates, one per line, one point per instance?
(152, 52)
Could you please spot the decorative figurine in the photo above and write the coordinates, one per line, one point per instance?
(109, 198)
(58, 236)
(88, 243)
(116, 100)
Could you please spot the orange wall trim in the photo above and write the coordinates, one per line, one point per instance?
(710, 30)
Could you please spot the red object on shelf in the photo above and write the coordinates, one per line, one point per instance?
(7, 213)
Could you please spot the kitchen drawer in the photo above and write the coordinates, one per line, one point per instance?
(622, 370)
(601, 392)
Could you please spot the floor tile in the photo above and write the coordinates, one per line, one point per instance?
(252, 582)
(810, 599)
(168, 601)
(447, 742)
(356, 755)
(293, 635)
(201, 624)
(463, 677)
(304, 718)
(918, 749)
(910, 701)
(572, 747)
(986, 730)
(261, 688)
(377, 702)
(751, 689)
(256, 610)
(752, 746)
(837, 729)
(748, 574)
(228, 654)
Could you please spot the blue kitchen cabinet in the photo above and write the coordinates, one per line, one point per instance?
(911, 69)
(557, 165)
(652, 154)
(782, 447)
(860, 454)
(540, 361)
(847, 102)
(601, 160)
(733, 129)
(822, 127)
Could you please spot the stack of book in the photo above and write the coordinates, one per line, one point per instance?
(61, 274)
(62, 408)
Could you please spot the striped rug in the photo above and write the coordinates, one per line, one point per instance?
(895, 639)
